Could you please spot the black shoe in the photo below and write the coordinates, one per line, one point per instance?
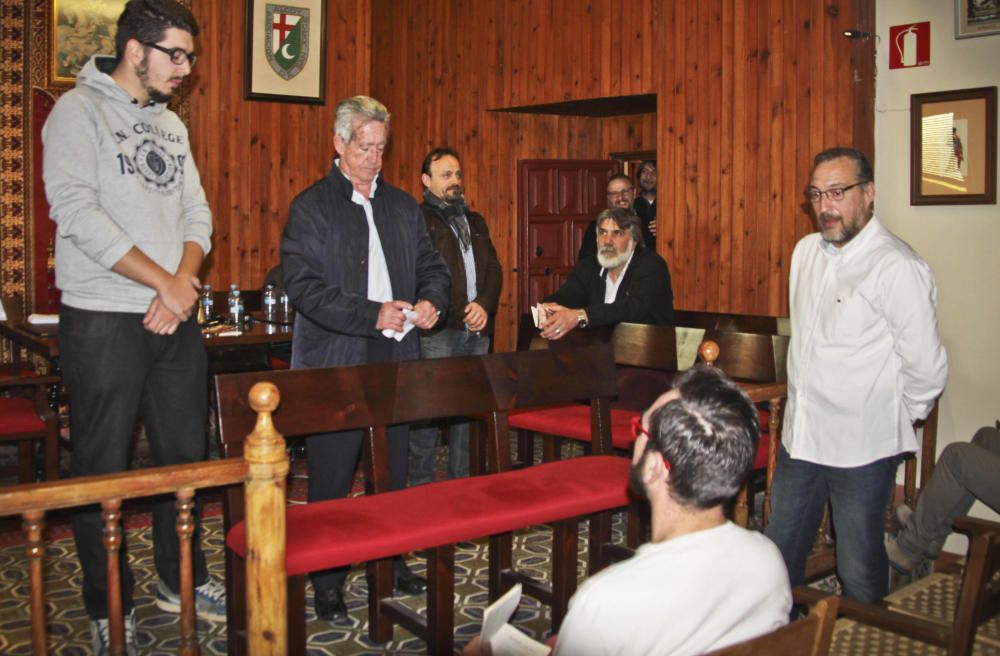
(405, 582)
(330, 605)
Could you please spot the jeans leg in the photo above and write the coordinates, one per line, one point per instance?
(423, 446)
(797, 496)
(859, 497)
(103, 365)
(458, 433)
(174, 411)
(964, 472)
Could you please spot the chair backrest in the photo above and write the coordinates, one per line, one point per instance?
(646, 356)
(751, 356)
(379, 395)
(744, 323)
(805, 637)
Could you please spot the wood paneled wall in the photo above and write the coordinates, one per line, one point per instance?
(747, 92)
(254, 157)
(750, 92)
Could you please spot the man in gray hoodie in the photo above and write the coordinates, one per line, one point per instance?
(133, 229)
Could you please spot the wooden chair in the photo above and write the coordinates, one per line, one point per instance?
(374, 527)
(805, 637)
(262, 472)
(978, 598)
(27, 420)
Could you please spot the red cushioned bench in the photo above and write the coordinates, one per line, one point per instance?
(375, 527)
(646, 361)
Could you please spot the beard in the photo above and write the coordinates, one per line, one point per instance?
(612, 259)
(844, 232)
(454, 195)
(154, 94)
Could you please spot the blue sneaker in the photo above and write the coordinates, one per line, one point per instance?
(100, 636)
(210, 600)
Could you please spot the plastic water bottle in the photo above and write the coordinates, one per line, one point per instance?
(286, 307)
(270, 301)
(207, 303)
(234, 301)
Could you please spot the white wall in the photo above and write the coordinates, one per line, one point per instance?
(961, 242)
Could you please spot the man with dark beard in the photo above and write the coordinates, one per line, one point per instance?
(693, 450)
(645, 201)
(463, 240)
(133, 229)
(865, 362)
(624, 282)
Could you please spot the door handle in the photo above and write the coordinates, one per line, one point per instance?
(538, 251)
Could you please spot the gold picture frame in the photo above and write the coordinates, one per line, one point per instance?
(79, 30)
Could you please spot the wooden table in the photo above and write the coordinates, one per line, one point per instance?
(42, 339)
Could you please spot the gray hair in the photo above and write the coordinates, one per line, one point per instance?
(356, 111)
(625, 219)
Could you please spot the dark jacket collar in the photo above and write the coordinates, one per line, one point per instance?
(344, 186)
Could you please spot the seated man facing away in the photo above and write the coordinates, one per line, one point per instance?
(702, 583)
(624, 282)
(964, 472)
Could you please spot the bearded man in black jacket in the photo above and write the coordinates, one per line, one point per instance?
(624, 282)
(463, 240)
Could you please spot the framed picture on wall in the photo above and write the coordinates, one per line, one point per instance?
(953, 147)
(285, 58)
(80, 29)
(976, 18)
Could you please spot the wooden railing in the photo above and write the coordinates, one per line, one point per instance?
(262, 470)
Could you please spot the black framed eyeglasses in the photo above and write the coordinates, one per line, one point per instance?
(177, 55)
(835, 194)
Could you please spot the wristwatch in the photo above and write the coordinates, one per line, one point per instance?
(581, 319)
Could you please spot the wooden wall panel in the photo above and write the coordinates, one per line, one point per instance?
(254, 157)
(747, 92)
(441, 66)
(772, 83)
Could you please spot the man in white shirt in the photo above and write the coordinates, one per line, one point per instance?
(865, 362)
(693, 451)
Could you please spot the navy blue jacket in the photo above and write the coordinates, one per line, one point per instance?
(324, 253)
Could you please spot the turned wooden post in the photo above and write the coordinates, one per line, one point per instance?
(112, 515)
(709, 353)
(267, 469)
(185, 530)
(34, 549)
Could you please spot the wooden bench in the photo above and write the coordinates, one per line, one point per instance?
(433, 517)
(646, 361)
(261, 472)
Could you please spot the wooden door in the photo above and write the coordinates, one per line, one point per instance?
(557, 200)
